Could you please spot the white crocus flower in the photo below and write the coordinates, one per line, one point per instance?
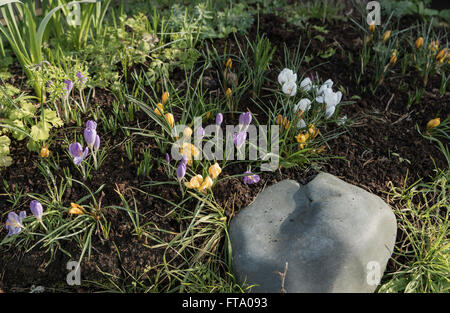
(290, 88)
(301, 124)
(332, 98)
(306, 84)
(287, 75)
(303, 105)
(329, 111)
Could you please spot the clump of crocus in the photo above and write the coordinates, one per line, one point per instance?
(283, 121)
(37, 210)
(203, 184)
(440, 57)
(45, 152)
(92, 139)
(251, 178)
(159, 110)
(302, 138)
(288, 81)
(78, 154)
(14, 222)
(433, 123)
(331, 99)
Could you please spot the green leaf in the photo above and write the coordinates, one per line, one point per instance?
(28, 108)
(40, 131)
(5, 160)
(51, 117)
(4, 145)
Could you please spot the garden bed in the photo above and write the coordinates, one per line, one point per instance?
(380, 145)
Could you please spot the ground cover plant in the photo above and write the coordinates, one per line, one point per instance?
(131, 137)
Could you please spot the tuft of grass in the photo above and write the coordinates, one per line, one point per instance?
(422, 255)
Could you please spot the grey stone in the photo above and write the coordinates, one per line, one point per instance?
(336, 237)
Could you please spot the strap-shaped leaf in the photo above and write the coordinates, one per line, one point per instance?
(43, 25)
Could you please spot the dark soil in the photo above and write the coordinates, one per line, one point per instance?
(383, 127)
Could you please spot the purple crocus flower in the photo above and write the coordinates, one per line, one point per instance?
(76, 151)
(36, 209)
(97, 143)
(90, 135)
(200, 132)
(69, 85)
(181, 171)
(14, 222)
(251, 178)
(183, 160)
(219, 119)
(91, 124)
(167, 158)
(239, 138)
(245, 119)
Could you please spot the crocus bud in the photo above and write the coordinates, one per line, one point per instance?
(45, 152)
(393, 58)
(89, 135)
(183, 160)
(219, 119)
(433, 123)
(239, 138)
(36, 209)
(97, 142)
(245, 118)
(165, 97)
(372, 27)
(159, 109)
(91, 124)
(279, 119)
(187, 132)
(386, 35)
(181, 171)
(200, 132)
(419, 43)
(170, 119)
(229, 64)
(228, 93)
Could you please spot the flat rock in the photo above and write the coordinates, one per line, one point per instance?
(335, 237)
